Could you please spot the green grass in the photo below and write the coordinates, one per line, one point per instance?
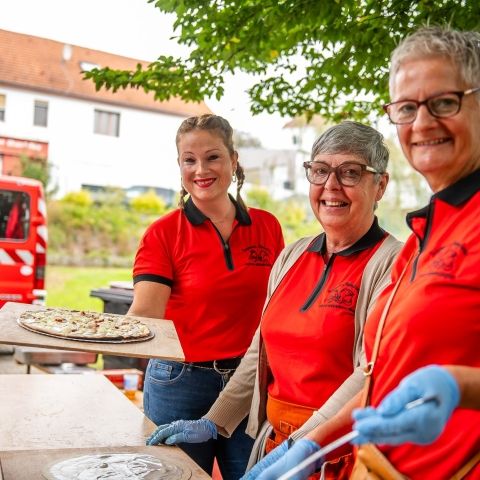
(70, 287)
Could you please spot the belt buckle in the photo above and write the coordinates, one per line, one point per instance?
(221, 371)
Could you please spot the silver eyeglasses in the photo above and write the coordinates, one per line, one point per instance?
(443, 105)
(348, 174)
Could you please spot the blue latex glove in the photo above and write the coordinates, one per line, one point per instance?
(266, 461)
(391, 424)
(300, 450)
(184, 431)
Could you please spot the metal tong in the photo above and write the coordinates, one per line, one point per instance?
(343, 440)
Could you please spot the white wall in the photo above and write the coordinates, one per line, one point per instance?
(143, 154)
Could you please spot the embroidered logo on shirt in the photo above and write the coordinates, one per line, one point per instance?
(446, 260)
(343, 296)
(258, 255)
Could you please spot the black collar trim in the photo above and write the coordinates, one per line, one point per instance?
(460, 191)
(422, 213)
(371, 238)
(455, 194)
(196, 217)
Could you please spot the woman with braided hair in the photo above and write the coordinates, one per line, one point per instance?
(206, 267)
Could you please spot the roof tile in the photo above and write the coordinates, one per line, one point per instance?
(38, 64)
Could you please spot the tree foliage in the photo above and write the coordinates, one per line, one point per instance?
(294, 215)
(310, 56)
(39, 169)
(407, 191)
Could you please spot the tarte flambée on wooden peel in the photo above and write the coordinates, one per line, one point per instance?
(85, 325)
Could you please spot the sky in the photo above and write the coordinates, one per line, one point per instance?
(133, 28)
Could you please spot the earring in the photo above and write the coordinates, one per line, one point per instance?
(234, 178)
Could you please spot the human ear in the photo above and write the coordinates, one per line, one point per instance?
(382, 185)
(234, 159)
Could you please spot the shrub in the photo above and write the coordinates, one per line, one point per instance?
(81, 198)
(149, 203)
(85, 233)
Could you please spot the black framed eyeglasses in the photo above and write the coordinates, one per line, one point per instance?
(443, 105)
(348, 174)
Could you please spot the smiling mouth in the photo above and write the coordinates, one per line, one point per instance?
(428, 143)
(204, 183)
(327, 203)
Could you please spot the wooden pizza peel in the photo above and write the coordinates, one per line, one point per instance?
(165, 343)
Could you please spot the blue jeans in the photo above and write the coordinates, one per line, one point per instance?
(175, 391)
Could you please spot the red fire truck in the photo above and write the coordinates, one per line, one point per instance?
(23, 240)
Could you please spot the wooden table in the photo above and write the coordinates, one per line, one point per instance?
(164, 345)
(67, 411)
(45, 418)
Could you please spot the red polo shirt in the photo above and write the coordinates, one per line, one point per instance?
(434, 319)
(308, 327)
(218, 288)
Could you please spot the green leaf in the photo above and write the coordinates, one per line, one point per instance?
(316, 52)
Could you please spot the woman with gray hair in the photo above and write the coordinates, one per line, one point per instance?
(423, 336)
(306, 358)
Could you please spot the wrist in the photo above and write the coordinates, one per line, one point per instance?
(450, 381)
(468, 381)
(211, 427)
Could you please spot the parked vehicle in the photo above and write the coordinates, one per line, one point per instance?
(23, 240)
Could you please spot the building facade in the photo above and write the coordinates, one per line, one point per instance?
(47, 111)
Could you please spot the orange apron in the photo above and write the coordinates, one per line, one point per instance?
(287, 417)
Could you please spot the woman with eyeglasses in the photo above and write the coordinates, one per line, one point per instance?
(422, 339)
(306, 360)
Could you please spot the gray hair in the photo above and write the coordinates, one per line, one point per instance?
(461, 48)
(355, 138)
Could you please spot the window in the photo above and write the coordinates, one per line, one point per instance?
(88, 66)
(107, 123)
(14, 215)
(2, 108)
(40, 113)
